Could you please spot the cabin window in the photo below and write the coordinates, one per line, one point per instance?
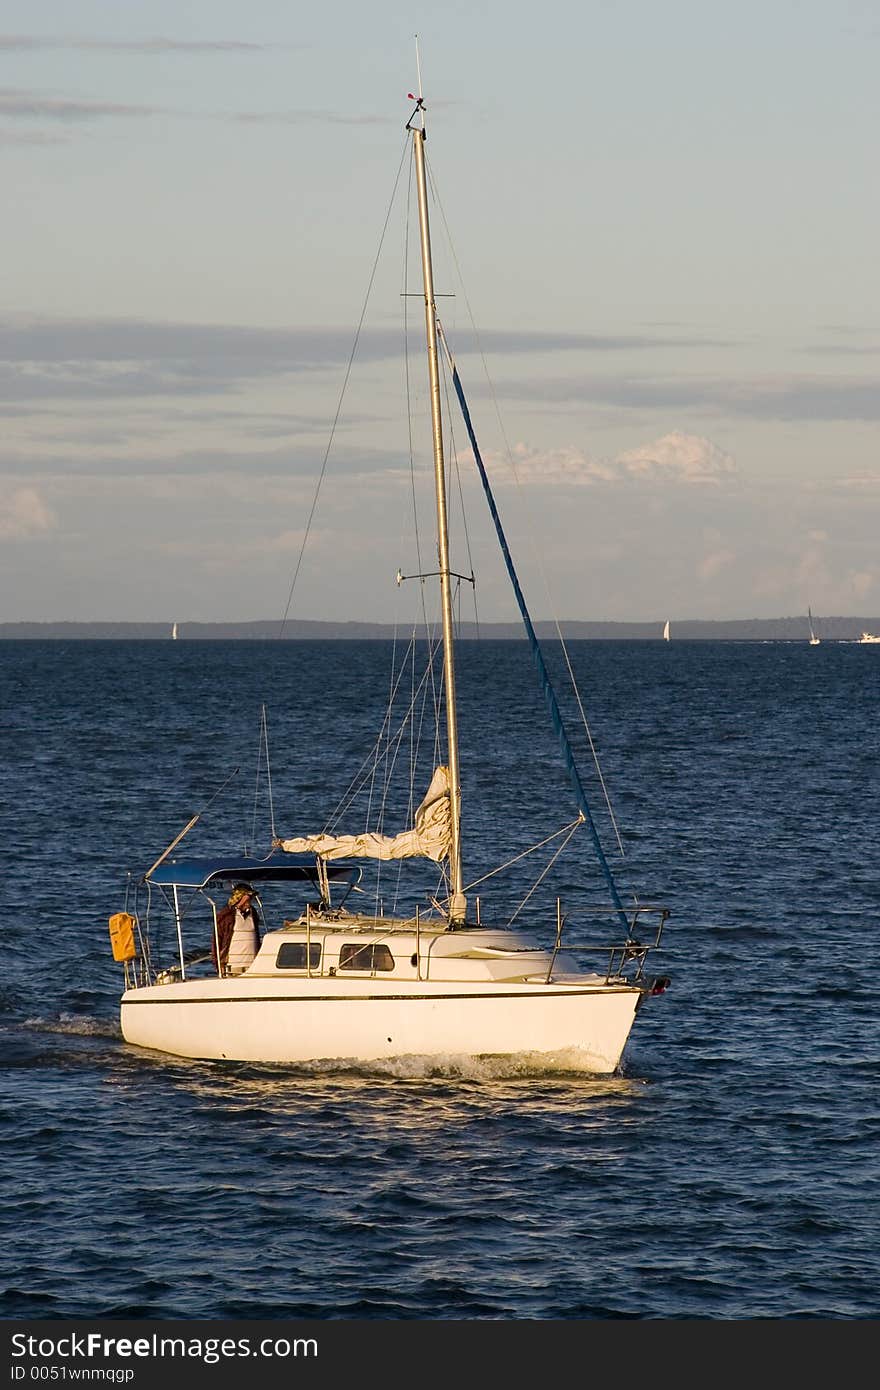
(292, 955)
(372, 957)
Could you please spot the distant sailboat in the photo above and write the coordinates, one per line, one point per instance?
(174, 633)
(814, 640)
(666, 631)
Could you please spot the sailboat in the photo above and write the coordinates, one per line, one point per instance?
(666, 631)
(174, 632)
(439, 980)
(814, 640)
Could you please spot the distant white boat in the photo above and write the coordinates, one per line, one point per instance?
(814, 640)
(174, 633)
(666, 631)
(868, 637)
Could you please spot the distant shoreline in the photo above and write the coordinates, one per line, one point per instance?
(790, 629)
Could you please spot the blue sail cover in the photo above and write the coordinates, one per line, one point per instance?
(274, 868)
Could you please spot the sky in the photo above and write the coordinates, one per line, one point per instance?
(655, 231)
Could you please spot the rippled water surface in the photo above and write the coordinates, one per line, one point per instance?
(730, 1171)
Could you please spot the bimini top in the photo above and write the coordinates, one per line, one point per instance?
(277, 868)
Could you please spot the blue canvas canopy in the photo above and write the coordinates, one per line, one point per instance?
(274, 868)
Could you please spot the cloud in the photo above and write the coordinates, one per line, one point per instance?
(124, 460)
(309, 118)
(59, 340)
(500, 341)
(27, 105)
(24, 514)
(29, 137)
(788, 398)
(106, 381)
(44, 360)
(56, 339)
(715, 562)
(857, 482)
(677, 458)
(844, 350)
(861, 582)
(566, 465)
(846, 338)
(34, 42)
(91, 359)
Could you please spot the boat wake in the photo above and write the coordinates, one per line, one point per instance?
(567, 1064)
(76, 1025)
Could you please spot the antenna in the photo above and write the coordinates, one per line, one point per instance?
(416, 96)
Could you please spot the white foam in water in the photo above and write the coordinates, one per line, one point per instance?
(486, 1068)
(76, 1024)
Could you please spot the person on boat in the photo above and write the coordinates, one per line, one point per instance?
(237, 938)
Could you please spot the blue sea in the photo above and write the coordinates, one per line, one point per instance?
(730, 1171)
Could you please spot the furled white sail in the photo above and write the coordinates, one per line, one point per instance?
(430, 837)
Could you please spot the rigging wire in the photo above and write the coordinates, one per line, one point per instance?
(369, 770)
(362, 775)
(449, 419)
(189, 825)
(253, 836)
(564, 830)
(535, 552)
(429, 628)
(453, 451)
(407, 381)
(386, 758)
(262, 751)
(414, 719)
(589, 733)
(342, 394)
(264, 733)
(388, 745)
(386, 752)
(543, 875)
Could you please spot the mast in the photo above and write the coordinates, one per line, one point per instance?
(457, 901)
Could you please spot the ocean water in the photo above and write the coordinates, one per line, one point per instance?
(730, 1171)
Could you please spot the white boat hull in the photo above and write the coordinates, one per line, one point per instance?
(277, 1021)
